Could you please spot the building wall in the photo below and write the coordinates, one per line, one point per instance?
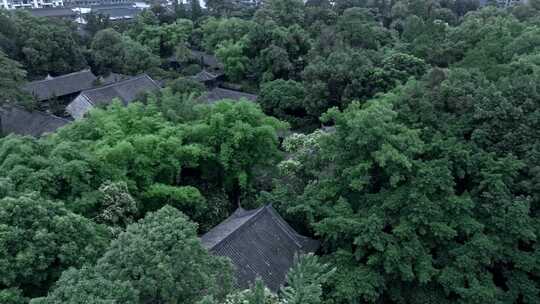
(503, 3)
(79, 107)
(15, 4)
(83, 3)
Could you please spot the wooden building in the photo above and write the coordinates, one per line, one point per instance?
(260, 244)
(125, 91)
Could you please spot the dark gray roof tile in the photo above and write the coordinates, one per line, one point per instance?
(113, 77)
(206, 59)
(62, 85)
(204, 76)
(126, 90)
(227, 227)
(22, 122)
(217, 94)
(117, 11)
(260, 244)
(53, 12)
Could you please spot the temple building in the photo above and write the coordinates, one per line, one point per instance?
(260, 244)
(124, 91)
(65, 87)
(17, 120)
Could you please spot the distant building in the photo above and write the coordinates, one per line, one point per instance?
(502, 3)
(509, 3)
(54, 12)
(64, 87)
(112, 78)
(248, 3)
(209, 79)
(17, 4)
(125, 91)
(88, 3)
(260, 244)
(23, 122)
(212, 81)
(120, 11)
(77, 9)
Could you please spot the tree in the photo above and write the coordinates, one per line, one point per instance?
(422, 219)
(223, 30)
(304, 281)
(283, 12)
(382, 168)
(180, 10)
(196, 11)
(303, 286)
(156, 260)
(275, 62)
(107, 51)
(284, 99)
(234, 61)
(40, 239)
(12, 77)
(88, 286)
(113, 52)
(335, 80)
(162, 258)
(118, 208)
(46, 46)
(96, 22)
(137, 58)
(124, 154)
(212, 148)
(186, 198)
(402, 66)
(241, 139)
(219, 7)
(430, 40)
(163, 14)
(257, 294)
(396, 69)
(12, 296)
(359, 28)
(164, 39)
(462, 7)
(8, 34)
(184, 85)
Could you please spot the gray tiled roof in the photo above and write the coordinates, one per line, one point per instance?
(52, 12)
(206, 59)
(114, 77)
(217, 94)
(122, 11)
(204, 76)
(22, 122)
(62, 85)
(259, 243)
(126, 90)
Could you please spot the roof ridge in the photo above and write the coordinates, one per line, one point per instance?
(119, 82)
(256, 214)
(207, 72)
(62, 76)
(231, 90)
(34, 111)
(289, 231)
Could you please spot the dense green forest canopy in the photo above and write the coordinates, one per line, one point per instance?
(414, 156)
